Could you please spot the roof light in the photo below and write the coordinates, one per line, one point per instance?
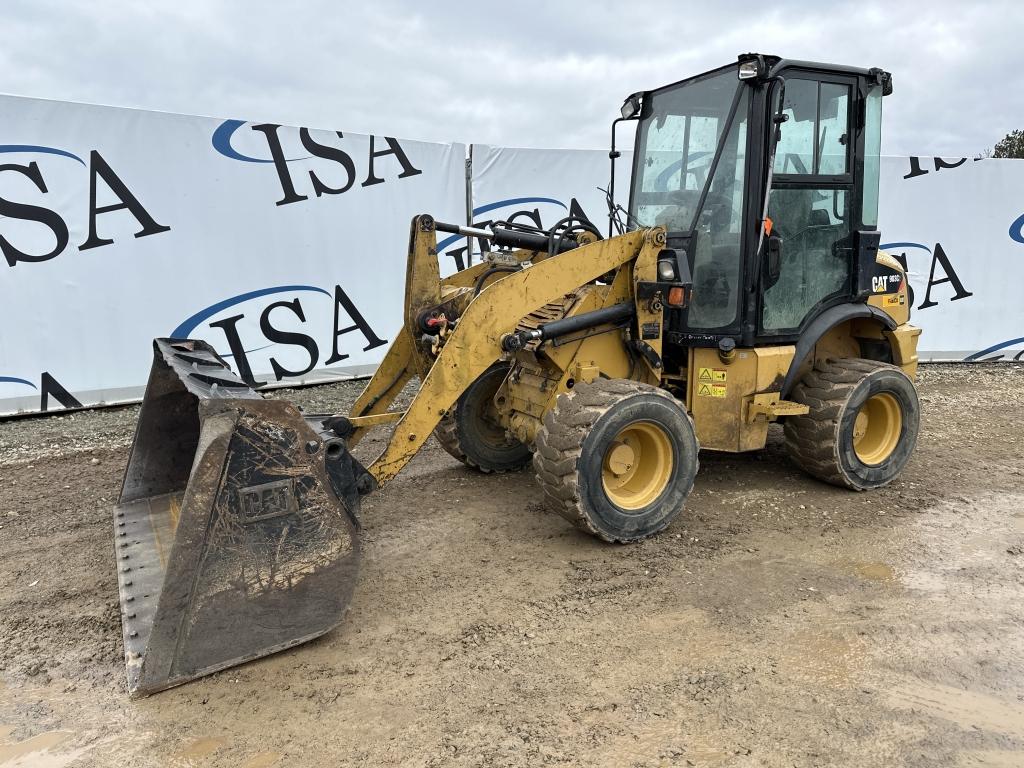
(631, 106)
(748, 70)
(752, 66)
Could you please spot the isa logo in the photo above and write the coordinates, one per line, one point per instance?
(43, 198)
(287, 330)
(317, 166)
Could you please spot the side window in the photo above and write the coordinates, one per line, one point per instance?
(795, 150)
(833, 128)
(872, 151)
(809, 207)
(815, 228)
(815, 138)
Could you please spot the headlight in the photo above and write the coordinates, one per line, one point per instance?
(631, 106)
(748, 70)
(666, 272)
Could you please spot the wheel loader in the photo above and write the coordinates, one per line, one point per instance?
(742, 285)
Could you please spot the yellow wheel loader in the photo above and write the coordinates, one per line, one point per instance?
(743, 285)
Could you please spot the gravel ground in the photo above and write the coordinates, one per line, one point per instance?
(777, 622)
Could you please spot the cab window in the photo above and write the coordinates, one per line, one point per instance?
(815, 137)
(810, 202)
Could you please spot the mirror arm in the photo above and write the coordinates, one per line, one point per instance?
(613, 155)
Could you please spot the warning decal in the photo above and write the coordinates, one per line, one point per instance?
(711, 375)
(711, 389)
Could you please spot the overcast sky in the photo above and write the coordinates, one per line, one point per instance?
(537, 74)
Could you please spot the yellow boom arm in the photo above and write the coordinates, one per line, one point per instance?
(475, 342)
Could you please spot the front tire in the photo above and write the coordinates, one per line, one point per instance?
(862, 426)
(472, 433)
(617, 458)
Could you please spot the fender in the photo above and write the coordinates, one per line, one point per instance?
(824, 323)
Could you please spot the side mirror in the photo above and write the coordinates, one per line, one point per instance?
(780, 116)
(773, 261)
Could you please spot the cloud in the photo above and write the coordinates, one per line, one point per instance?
(525, 74)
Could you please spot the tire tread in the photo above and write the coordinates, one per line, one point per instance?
(812, 440)
(559, 444)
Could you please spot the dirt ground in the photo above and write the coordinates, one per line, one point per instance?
(777, 622)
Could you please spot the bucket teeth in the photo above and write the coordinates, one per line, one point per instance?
(236, 531)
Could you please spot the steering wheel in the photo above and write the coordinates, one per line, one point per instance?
(715, 204)
(718, 200)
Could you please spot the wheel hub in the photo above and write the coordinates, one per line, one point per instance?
(877, 429)
(491, 431)
(620, 459)
(638, 465)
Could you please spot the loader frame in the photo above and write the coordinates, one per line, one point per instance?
(475, 343)
(745, 390)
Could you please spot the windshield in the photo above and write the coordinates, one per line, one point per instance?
(677, 142)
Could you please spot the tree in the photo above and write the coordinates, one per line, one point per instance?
(1012, 145)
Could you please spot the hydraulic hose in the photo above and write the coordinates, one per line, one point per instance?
(614, 314)
(510, 238)
(479, 285)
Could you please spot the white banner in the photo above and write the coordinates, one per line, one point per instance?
(957, 224)
(283, 247)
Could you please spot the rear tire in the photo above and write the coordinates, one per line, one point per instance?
(472, 434)
(617, 458)
(862, 426)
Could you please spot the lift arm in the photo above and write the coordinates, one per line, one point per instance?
(475, 343)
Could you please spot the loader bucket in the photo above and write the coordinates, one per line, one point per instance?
(236, 531)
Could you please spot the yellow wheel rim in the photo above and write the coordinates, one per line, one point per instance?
(876, 432)
(637, 466)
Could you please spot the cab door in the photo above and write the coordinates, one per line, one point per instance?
(812, 202)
